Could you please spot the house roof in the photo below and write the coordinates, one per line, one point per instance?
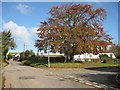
(14, 52)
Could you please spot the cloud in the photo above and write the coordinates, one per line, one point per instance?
(24, 9)
(19, 32)
(33, 32)
(2, 21)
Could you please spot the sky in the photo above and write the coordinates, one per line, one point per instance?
(23, 19)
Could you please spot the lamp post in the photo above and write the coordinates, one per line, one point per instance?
(48, 51)
(48, 58)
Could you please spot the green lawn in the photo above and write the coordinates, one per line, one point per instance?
(67, 65)
(81, 65)
(104, 64)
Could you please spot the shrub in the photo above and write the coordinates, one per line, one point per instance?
(104, 57)
(95, 60)
(78, 61)
(9, 56)
(28, 53)
(38, 61)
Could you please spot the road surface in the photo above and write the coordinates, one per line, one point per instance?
(18, 75)
(103, 77)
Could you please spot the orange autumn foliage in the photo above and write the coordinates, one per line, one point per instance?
(74, 29)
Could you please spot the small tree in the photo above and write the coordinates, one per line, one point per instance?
(28, 53)
(32, 54)
(7, 43)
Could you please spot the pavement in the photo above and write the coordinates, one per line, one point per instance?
(18, 75)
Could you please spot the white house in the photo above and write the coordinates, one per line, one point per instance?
(90, 56)
(16, 55)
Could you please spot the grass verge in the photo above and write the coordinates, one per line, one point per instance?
(67, 65)
(54, 65)
(104, 64)
(4, 64)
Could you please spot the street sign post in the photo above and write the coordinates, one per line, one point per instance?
(48, 58)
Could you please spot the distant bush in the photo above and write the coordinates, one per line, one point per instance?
(26, 62)
(104, 57)
(28, 53)
(9, 56)
(95, 60)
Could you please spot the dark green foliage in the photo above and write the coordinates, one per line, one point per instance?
(35, 61)
(9, 56)
(21, 56)
(104, 56)
(78, 62)
(109, 61)
(28, 53)
(32, 54)
(95, 60)
(45, 59)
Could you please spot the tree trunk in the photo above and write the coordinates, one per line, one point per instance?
(69, 58)
(5, 59)
(65, 59)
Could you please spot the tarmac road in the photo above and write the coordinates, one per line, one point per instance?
(18, 75)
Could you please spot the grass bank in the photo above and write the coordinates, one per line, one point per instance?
(1, 77)
(4, 64)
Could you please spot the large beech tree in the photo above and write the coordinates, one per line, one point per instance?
(73, 29)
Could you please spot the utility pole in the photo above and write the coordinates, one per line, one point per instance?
(24, 51)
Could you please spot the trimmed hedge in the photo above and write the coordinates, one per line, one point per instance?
(42, 61)
(45, 59)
